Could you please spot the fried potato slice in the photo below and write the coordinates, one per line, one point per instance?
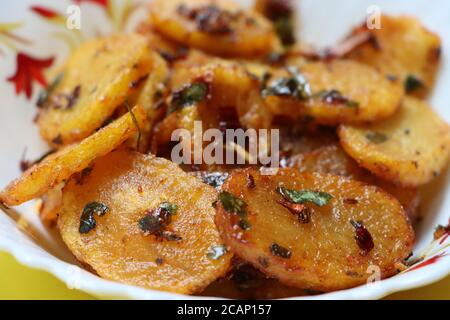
(151, 94)
(59, 166)
(409, 149)
(401, 49)
(216, 26)
(81, 99)
(351, 227)
(133, 186)
(332, 159)
(169, 50)
(339, 91)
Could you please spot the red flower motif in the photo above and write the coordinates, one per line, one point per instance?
(29, 69)
(428, 262)
(45, 12)
(102, 3)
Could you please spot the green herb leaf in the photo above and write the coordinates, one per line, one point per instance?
(214, 179)
(237, 206)
(295, 86)
(172, 208)
(133, 117)
(280, 251)
(302, 196)
(412, 84)
(156, 221)
(187, 96)
(87, 219)
(150, 224)
(215, 252)
(376, 137)
(233, 204)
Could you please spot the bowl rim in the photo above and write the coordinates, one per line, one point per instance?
(37, 257)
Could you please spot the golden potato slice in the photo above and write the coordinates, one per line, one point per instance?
(402, 50)
(151, 94)
(332, 159)
(182, 253)
(409, 149)
(340, 91)
(168, 49)
(59, 166)
(96, 79)
(329, 239)
(216, 26)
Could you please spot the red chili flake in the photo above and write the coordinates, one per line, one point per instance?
(350, 201)
(300, 210)
(250, 181)
(362, 236)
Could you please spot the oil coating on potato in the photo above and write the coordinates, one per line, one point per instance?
(332, 159)
(216, 26)
(351, 227)
(60, 165)
(340, 91)
(402, 49)
(183, 255)
(95, 80)
(409, 149)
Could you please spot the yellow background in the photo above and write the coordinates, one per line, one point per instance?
(19, 282)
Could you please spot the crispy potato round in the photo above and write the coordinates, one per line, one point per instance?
(332, 159)
(132, 186)
(342, 91)
(361, 226)
(59, 166)
(216, 26)
(151, 94)
(82, 99)
(401, 49)
(409, 149)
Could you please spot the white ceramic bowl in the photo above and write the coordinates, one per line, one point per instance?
(29, 30)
